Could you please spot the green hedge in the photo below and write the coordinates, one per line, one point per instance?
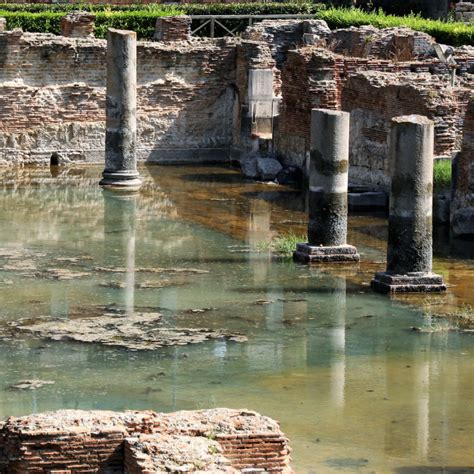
(141, 18)
(453, 33)
(140, 21)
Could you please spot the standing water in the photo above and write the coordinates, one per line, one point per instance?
(353, 385)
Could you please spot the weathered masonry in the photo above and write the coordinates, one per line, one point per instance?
(52, 99)
(217, 100)
(140, 442)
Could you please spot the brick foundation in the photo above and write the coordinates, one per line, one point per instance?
(76, 441)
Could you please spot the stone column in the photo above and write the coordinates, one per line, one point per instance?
(410, 246)
(120, 141)
(328, 182)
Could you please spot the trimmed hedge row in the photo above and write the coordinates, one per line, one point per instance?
(142, 18)
(141, 21)
(453, 33)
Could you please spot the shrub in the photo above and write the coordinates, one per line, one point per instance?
(452, 33)
(141, 18)
(140, 21)
(441, 175)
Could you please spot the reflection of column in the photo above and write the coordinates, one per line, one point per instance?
(258, 233)
(119, 230)
(329, 345)
(338, 341)
(422, 382)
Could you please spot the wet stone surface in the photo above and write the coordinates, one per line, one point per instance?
(136, 332)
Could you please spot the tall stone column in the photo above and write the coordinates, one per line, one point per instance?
(121, 104)
(410, 242)
(328, 182)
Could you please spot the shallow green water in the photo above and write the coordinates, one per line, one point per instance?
(355, 389)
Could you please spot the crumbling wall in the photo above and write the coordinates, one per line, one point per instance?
(285, 35)
(310, 79)
(375, 98)
(315, 77)
(464, 11)
(395, 44)
(52, 99)
(462, 208)
(70, 441)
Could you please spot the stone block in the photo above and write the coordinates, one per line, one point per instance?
(306, 253)
(3, 25)
(367, 201)
(462, 222)
(268, 168)
(417, 282)
(248, 167)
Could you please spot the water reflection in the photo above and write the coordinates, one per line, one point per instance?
(353, 386)
(120, 211)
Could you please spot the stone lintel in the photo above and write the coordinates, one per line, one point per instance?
(313, 254)
(417, 282)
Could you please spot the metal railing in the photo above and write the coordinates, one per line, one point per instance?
(211, 21)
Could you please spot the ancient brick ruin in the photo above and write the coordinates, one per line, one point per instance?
(464, 11)
(195, 105)
(71, 441)
(462, 213)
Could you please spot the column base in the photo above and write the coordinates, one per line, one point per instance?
(126, 181)
(416, 282)
(313, 254)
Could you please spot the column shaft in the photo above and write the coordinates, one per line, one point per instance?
(121, 109)
(410, 242)
(328, 183)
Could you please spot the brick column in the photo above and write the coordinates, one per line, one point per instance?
(172, 28)
(78, 24)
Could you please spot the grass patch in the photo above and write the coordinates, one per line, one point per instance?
(442, 175)
(461, 319)
(282, 245)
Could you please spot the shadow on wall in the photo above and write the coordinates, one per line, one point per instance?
(198, 130)
(436, 9)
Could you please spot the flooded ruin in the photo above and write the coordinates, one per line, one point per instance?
(358, 381)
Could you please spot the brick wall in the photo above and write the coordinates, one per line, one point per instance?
(462, 208)
(374, 90)
(52, 99)
(375, 98)
(172, 28)
(70, 441)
